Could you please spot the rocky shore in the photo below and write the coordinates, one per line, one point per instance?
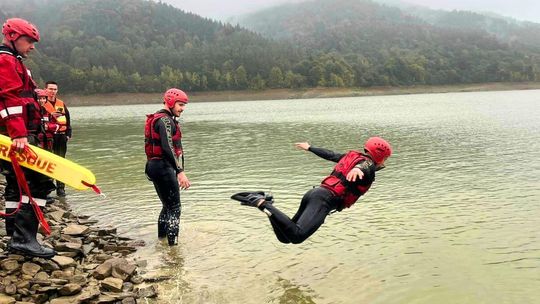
(93, 265)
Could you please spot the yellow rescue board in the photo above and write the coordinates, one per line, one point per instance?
(51, 165)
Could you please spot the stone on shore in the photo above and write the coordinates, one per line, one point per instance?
(93, 265)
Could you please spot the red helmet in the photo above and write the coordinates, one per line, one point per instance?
(40, 93)
(378, 148)
(16, 27)
(174, 95)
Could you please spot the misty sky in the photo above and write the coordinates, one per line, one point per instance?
(221, 9)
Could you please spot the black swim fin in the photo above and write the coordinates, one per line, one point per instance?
(252, 198)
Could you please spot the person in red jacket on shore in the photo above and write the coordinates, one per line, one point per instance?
(351, 178)
(21, 120)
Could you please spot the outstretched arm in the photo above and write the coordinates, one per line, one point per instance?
(320, 152)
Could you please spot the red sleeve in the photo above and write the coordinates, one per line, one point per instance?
(11, 104)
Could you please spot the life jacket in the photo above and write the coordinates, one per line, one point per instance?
(31, 113)
(58, 112)
(152, 140)
(346, 191)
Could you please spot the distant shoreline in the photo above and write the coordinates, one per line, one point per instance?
(273, 94)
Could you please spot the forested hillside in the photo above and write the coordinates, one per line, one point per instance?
(140, 46)
(95, 46)
(386, 45)
(516, 33)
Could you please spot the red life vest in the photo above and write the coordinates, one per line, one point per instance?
(152, 140)
(338, 184)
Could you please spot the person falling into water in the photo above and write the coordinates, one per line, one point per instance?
(351, 178)
(163, 148)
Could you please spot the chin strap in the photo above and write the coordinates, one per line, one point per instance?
(23, 187)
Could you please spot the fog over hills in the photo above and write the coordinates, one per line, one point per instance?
(526, 10)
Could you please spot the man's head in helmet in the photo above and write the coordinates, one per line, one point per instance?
(175, 101)
(379, 150)
(20, 35)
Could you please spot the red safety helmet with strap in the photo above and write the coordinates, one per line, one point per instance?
(378, 148)
(14, 28)
(173, 96)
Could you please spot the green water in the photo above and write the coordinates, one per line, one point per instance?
(453, 218)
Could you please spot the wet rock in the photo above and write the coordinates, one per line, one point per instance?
(64, 262)
(17, 257)
(102, 271)
(56, 215)
(127, 286)
(116, 248)
(41, 276)
(79, 279)
(10, 289)
(85, 254)
(70, 289)
(46, 265)
(88, 293)
(68, 247)
(112, 284)
(10, 264)
(156, 278)
(103, 257)
(39, 298)
(90, 266)
(65, 300)
(75, 229)
(106, 231)
(129, 300)
(137, 279)
(122, 269)
(4, 299)
(30, 269)
(24, 284)
(147, 292)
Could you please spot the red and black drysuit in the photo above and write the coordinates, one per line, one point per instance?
(21, 117)
(334, 193)
(163, 147)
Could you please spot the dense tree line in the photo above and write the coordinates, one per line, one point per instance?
(98, 46)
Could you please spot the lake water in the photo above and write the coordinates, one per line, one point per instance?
(454, 218)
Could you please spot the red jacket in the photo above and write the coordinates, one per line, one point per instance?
(16, 92)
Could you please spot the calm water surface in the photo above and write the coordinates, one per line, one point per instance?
(453, 219)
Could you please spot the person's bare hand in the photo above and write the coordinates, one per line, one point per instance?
(183, 181)
(355, 174)
(19, 143)
(303, 145)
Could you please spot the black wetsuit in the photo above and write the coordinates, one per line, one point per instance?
(316, 204)
(163, 173)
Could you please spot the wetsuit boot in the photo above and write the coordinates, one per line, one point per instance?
(253, 198)
(60, 189)
(24, 235)
(11, 196)
(162, 225)
(10, 220)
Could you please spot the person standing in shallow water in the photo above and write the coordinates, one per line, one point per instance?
(165, 161)
(351, 178)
